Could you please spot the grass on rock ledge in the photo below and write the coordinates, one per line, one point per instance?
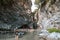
(53, 30)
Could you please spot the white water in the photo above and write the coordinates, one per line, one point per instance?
(33, 7)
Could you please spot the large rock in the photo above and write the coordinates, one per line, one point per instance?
(53, 36)
(44, 34)
(49, 14)
(14, 13)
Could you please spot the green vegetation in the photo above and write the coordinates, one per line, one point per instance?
(53, 30)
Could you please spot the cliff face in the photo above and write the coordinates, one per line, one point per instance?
(49, 14)
(14, 13)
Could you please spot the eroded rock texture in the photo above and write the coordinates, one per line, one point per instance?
(49, 14)
(14, 13)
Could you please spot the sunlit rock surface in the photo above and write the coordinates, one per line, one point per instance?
(45, 35)
(49, 15)
(53, 36)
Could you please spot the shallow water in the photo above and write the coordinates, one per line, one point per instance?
(28, 36)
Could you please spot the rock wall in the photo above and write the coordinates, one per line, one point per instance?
(14, 13)
(49, 14)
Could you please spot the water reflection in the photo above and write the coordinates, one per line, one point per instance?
(7, 35)
(12, 36)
